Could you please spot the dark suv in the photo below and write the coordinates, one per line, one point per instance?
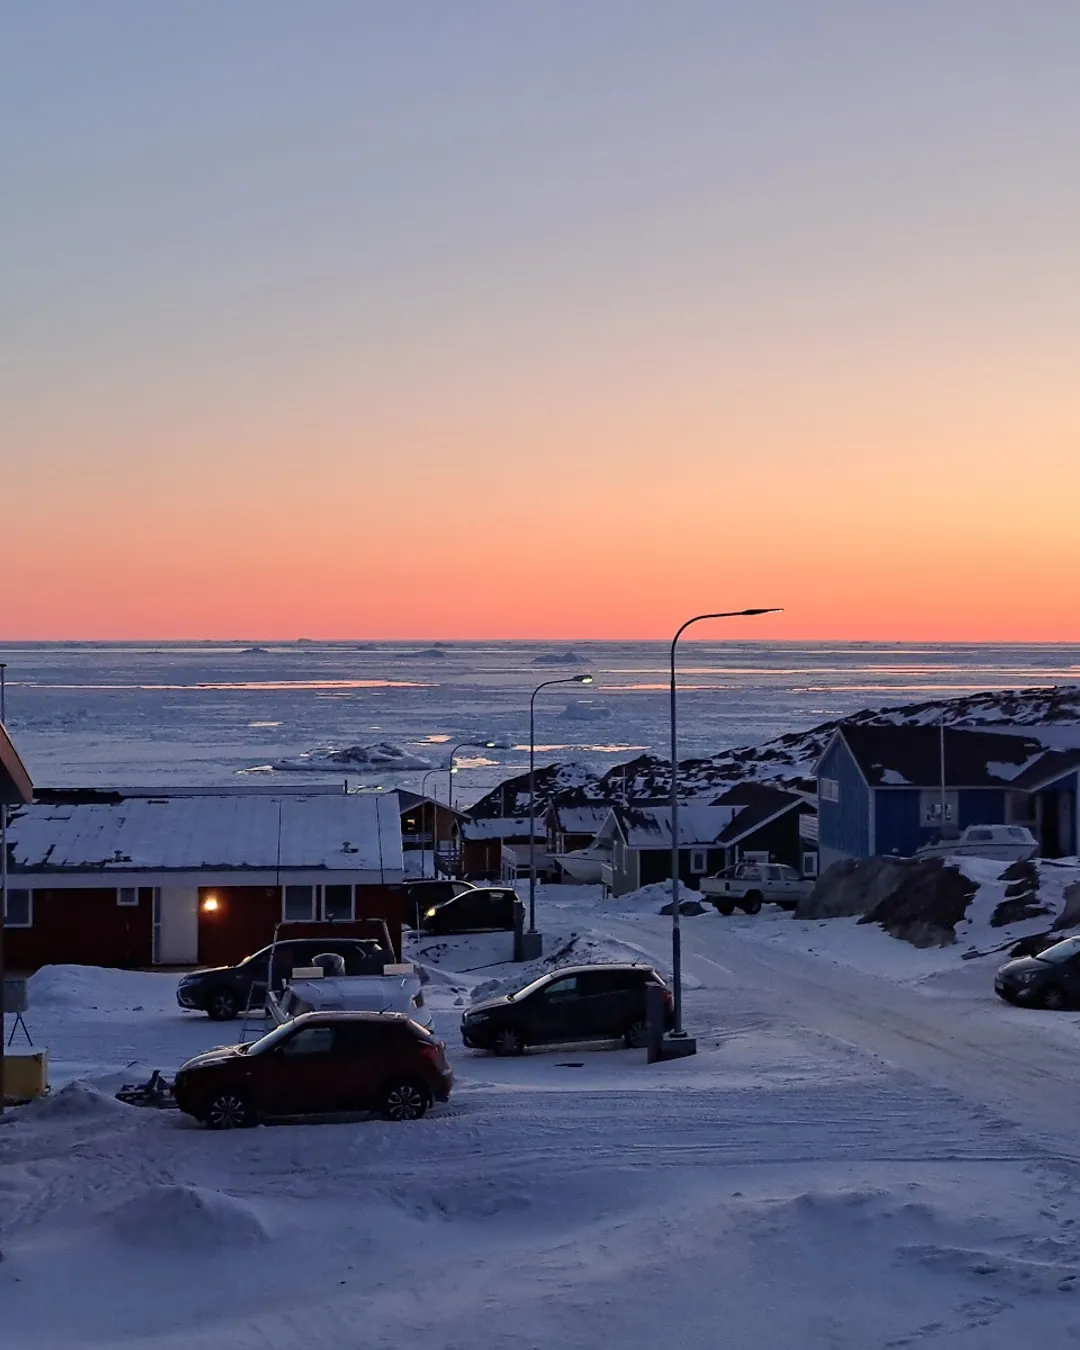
(479, 909)
(576, 1003)
(318, 1064)
(421, 895)
(224, 991)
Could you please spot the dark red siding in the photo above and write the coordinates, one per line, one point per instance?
(87, 927)
(243, 922)
(247, 915)
(83, 927)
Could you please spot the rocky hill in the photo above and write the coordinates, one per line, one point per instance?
(788, 761)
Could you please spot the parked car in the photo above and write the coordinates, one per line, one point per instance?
(318, 1064)
(1049, 980)
(747, 886)
(222, 992)
(479, 909)
(576, 1003)
(1003, 843)
(421, 895)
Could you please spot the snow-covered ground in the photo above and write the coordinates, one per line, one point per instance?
(857, 1158)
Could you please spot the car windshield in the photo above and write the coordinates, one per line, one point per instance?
(271, 1039)
(1061, 952)
(530, 988)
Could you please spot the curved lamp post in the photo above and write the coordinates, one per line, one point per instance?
(451, 770)
(566, 679)
(434, 820)
(676, 928)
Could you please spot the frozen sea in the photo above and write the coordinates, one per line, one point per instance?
(224, 713)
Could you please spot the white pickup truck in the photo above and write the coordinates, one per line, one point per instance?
(747, 886)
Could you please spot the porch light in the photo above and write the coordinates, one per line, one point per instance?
(211, 905)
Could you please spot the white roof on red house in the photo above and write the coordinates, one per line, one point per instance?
(328, 832)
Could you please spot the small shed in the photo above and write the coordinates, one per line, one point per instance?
(574, 827)
(483, 843)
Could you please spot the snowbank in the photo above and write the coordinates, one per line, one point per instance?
(76, 1101)
(185, 1218)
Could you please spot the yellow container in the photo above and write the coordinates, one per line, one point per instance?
(26, 1075)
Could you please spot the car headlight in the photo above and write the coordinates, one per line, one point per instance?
(1026, 977)
(476, 1017)
(430, 913)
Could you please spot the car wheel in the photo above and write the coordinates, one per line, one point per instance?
(405, 1101)
(725, 907)
(222, 1005)
(636, 1034)
(751, 903)
(229, 1110)
(1053, 998)
(509, 1041)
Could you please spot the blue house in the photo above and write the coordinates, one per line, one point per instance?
(880, 789)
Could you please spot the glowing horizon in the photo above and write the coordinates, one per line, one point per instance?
(555, 322)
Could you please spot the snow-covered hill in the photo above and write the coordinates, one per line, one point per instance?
(1050, 715)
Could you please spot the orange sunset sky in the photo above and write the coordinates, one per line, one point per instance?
(417, 320)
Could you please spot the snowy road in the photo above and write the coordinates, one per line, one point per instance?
(1022, 1065)
(849, 1163)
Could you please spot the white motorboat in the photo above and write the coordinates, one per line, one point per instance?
(583, 865)
(1003, 843)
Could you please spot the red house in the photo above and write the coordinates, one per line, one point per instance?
(196, 878)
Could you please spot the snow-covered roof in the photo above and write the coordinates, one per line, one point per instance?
(501, 827)
(650, 826)
(337, 832)
(581, 819)
(911, 755)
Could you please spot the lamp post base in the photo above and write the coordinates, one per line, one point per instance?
(677, 1047)
(528, 946)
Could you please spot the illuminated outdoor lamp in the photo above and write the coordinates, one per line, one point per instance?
(211, 904)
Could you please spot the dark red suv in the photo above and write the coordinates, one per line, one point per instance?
(318, 1064)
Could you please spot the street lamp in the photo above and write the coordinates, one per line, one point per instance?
(679, 1043)
(465, 745)
(566, 679)
(434, 821)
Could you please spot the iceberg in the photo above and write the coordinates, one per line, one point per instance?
(382, 758)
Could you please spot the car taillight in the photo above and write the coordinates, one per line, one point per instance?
(432, 1051)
